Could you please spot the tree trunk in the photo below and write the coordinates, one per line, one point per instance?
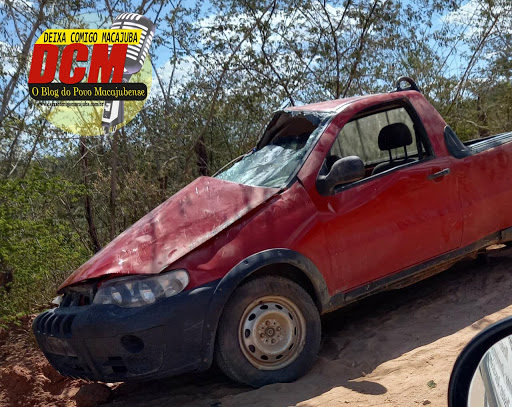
(96, 247)
(482, 118)
(113, 185)
(202, 157)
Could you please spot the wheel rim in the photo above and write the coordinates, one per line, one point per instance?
(272, 332)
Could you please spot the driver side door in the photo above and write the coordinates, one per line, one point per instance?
(395, 219)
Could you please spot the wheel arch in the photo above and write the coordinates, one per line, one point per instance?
(284, 262)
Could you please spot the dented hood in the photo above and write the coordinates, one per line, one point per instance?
(179, 225)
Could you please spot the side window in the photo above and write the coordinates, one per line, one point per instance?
(383, 140)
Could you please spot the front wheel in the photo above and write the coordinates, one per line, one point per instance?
(269, 332)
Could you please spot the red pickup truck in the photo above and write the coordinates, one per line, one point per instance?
(338, 200)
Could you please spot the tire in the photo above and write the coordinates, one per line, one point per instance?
(269, 332)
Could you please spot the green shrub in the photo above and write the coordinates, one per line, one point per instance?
(39, 243)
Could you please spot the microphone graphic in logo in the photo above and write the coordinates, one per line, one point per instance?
(113, 111)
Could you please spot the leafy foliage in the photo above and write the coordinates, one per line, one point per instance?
(37, 240)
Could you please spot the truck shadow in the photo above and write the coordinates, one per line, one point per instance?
(356, 340)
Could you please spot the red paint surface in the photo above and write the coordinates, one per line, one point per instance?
(183, 222)
(485, 190)
(366, 232)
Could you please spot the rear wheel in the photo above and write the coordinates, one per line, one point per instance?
(269, 332)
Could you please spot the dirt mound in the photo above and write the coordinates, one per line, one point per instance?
(26, 377)
(18, 380)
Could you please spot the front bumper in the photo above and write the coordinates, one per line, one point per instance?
(109, 343)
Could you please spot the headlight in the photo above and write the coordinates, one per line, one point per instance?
(141, 290)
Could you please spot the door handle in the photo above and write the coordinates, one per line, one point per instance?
(439, 174)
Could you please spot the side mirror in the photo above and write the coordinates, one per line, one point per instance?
(345, 170)
(482, 374)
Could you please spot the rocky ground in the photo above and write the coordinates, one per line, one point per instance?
(396, 349)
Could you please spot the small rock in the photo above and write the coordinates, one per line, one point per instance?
(92, 394)
(425, 402)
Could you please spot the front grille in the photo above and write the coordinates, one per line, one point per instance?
(75, 299)
(78, 296)
(54, 324)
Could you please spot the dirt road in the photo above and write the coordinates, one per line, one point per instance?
(396, 349)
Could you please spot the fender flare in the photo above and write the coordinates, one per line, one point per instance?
(241, 271)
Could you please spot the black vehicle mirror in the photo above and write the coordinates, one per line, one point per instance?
(482, 374)
(345, 170)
